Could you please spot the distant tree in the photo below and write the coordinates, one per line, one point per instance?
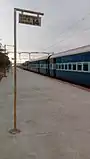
(4, 60)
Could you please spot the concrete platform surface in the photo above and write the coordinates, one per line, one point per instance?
(54, 119)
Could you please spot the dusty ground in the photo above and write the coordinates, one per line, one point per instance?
(54, 119)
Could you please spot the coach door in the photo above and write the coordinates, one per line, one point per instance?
(38, 65)
(54, 67)
(48, 65)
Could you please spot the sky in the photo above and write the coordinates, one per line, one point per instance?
(65, 25)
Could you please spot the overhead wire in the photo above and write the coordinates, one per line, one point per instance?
(69, 28)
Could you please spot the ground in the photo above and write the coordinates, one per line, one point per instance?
(54, 119)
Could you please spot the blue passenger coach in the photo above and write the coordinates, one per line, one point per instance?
(72, 65)
(40, 65)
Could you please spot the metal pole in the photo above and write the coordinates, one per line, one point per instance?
(15, 130)
(28, 11)
(15, 69)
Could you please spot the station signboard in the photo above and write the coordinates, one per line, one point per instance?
(30, 20)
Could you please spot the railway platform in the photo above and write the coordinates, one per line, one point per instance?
(54, 119)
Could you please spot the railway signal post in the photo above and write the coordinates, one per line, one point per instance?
(30, 18)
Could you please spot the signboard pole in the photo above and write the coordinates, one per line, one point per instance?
(15, 130)
(15, 69)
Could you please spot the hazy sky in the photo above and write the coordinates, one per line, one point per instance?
(63, 25)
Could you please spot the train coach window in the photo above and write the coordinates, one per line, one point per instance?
(79, 67)
(69, 66)
(65, 66)
(56, 66)
(62, 66)
(85, 67)
(59, 66)
(74, 66)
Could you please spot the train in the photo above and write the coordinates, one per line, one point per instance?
(72, 65)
